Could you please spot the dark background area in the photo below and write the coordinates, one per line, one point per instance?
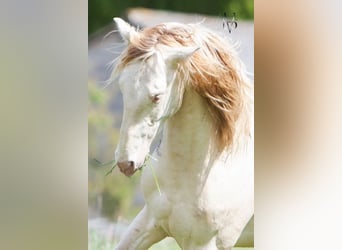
(101, 12)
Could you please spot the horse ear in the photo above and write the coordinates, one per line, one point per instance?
(178, 53)
(125, 30)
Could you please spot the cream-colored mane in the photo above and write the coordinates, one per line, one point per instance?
(214, 71)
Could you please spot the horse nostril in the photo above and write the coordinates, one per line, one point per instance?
(127, 167)
(126, 164)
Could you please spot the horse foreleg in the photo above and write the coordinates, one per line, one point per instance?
(141, 233)
(228, 236)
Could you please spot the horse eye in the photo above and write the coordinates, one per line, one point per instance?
(155, 98)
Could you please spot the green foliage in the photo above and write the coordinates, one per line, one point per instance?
(99, 118)
(101, 12)
(98, 242)
(243, 9)
(111, 195)
(96, 96)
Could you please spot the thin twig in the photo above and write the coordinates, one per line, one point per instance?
(111, 170)
(148, 157)
(100, 164)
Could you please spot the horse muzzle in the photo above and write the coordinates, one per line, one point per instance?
(127, 168)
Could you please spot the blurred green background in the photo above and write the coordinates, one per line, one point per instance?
(101, 12)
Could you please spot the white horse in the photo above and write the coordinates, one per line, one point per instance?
(189, 82)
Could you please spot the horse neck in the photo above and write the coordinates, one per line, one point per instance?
(187, 137)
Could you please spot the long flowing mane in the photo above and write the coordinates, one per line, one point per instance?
(214, 71)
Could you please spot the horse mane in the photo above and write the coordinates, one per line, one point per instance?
(214, 72)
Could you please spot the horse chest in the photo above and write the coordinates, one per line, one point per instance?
(180, 215)
(183, 220)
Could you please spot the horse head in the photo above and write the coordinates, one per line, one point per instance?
(148, 82)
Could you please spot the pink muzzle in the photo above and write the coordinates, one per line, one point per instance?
(127, 168)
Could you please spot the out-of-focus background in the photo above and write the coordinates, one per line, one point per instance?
(101, 12)
(114, 200)
(44, 119)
